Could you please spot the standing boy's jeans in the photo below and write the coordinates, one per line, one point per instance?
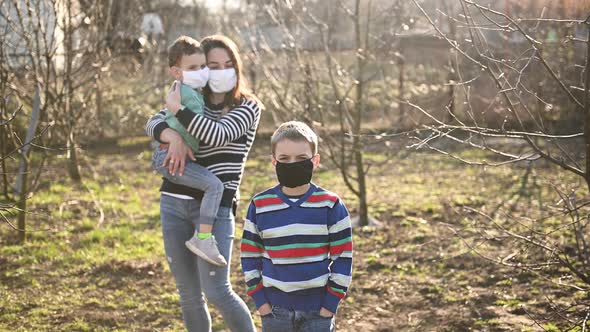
(193, 275)
(286, 320)
(194, 176)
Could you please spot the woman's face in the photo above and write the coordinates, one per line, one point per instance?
(218, 58)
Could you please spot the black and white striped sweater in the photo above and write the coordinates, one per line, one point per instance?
(225, 141)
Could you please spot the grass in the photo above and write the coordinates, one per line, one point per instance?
(79, 273)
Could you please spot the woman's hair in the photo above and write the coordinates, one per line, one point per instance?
(241, 90)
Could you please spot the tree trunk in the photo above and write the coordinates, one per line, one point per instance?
(99, 114)
(587, 107)
(401, 79)
(72, 154)
(308, 90)
(23, 169)
(4, 130)
(253, 78)
(363, 207)
(356, 140)
(73, 168)
(3, 150)
(451, 78)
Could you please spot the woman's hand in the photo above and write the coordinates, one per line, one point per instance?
(326, 313)
(264, 309)
(178, 150)
(173, 98)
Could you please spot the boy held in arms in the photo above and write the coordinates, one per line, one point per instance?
(296, 248)
(188, 67)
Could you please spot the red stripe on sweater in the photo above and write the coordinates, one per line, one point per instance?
(341, 248)
(320, 198)
(335, 294)
(267, 201)
(259, 287)
(250, 248)
(300, 252)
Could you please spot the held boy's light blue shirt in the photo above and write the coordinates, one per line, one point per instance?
(193, 101)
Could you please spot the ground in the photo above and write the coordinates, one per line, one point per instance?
(94, 257)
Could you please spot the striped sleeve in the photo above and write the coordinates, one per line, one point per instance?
(233, 125)
(155, 125)
(251, 253)
(340, 237)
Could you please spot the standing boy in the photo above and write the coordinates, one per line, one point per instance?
(296, 248)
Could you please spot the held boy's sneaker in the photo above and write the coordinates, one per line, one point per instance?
(206, 249)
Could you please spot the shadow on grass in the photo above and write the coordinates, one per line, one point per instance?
(119, 273)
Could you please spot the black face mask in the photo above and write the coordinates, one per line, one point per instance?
(296, 174)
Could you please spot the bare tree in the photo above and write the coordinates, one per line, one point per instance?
(5, 118)
(54, 48)
(23, 169)
(6, 207)
(514, 95)
(62, 45)
(525, 89)
(20, 149)
(323, 63)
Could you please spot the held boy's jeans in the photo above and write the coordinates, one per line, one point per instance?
(286, 320)
(194, 176)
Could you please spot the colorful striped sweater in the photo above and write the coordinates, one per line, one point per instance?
(297, 254)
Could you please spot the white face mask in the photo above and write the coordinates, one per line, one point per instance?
(222, 80)
(196, 79)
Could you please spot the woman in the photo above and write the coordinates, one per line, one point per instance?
(226, 132)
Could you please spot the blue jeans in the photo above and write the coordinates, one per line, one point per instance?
(195, 277)
(194, 176)
(286, 320)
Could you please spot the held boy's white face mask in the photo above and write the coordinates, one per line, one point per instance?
(196, 79)
(222, 80)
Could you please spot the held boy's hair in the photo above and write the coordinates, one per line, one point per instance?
(183, 45)
(295, 131)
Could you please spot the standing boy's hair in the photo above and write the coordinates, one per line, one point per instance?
(295, 131)
(183, 45)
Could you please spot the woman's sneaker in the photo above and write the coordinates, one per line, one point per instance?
(206, 249)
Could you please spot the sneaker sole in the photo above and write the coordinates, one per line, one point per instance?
(201, 254)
